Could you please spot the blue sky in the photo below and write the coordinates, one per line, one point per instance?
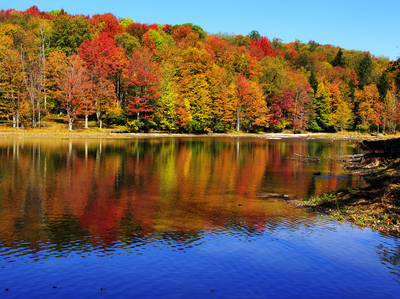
(352, 24)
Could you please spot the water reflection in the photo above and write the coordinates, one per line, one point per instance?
(181, 204)
(390, 257)
(63, 191)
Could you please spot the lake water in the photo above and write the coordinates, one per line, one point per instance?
(182, 218)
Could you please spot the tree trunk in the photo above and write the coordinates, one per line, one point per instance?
(33, 113)
(238, 119)
(38, 111)
(86, 122)
(17, 118)
(98, 114)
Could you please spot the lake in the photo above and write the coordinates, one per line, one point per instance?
(182, 218)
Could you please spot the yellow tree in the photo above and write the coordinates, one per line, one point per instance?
(194, 96)
(165, 114)
(391, 112)
(11, 82)
(341, 111)
(370, 107)
(251, 108)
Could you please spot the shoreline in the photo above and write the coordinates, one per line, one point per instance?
(106, 133)
(356, 207)
(376, 206)
(363, 207)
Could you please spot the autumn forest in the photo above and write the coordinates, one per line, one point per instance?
(109, 72)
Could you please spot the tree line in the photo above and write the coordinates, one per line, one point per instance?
(178, 78)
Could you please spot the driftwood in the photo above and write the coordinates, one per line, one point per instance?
(307, 158)
(274, 195)
(350, 158)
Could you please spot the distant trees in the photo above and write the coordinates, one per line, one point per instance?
(179, 78)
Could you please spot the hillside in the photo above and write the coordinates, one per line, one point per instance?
(178, 78)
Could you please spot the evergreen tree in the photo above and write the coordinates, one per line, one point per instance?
(397, 80)
(383, 85)
(322, 107)
(364, 70)
(313, 81)
(338, 60)
(254, 35)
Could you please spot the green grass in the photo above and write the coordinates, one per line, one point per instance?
(326, 199)
(364, 213)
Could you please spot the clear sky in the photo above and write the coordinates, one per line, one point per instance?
(372, 25)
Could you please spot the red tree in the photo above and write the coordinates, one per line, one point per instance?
(101, 55)
(34, 11)
(137, 29)
(107, 24)
(105, 61)
(141, 79)
(70, 84)
(282, 108)
(261, 48)
(181, 32)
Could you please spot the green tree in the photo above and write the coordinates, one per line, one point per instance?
(364, 71)
(397, 80)
(128, 42)
(383, 85)
(126, 22)
(254, 35)
(338, 60)
(322, 107)
(313, 81)
(69, 33)
(165, 113)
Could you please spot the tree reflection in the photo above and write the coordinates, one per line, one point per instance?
(104, 192)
